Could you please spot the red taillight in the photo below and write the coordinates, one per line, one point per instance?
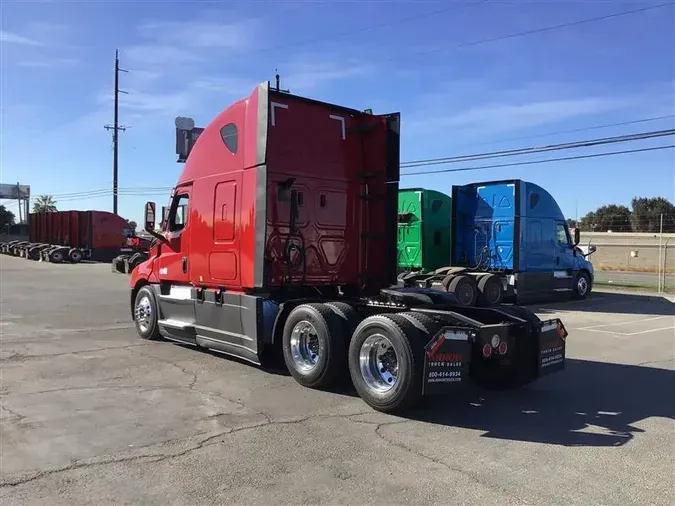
(487, 350)
(502, 348)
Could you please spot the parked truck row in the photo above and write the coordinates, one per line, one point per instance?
(74, 236)
(287, 242)
(490, 241)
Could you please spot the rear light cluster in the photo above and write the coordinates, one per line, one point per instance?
(496, 345)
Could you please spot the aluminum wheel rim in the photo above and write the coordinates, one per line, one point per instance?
(379, 363)
(144, 313)
(305, 346)
(582, 285)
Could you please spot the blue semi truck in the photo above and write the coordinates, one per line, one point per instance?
(508, 240)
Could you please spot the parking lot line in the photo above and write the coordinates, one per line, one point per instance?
(624, 322)
(650, 330)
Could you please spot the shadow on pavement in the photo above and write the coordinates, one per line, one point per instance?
(608, 302)
(588, 404)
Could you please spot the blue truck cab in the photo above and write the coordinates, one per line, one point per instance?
(516, 230)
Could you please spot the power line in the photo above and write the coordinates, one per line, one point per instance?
(540, 149)
(574, 130)
(535, 162)
(462, 169)
(538, 30)
(107, 191)
(156, 190)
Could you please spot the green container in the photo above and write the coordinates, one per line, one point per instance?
(424, 226)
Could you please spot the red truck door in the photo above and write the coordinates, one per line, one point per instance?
(173, 263)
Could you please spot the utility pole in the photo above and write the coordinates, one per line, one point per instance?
(116, 127)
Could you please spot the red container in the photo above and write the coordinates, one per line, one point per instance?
(102, 232)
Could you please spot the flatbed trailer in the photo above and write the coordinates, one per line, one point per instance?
(287, 244)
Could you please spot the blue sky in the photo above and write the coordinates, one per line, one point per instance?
(194, 58)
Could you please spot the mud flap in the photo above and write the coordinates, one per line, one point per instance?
(552, 338)
(447, 358)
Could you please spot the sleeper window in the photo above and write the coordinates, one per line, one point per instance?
(230, 137)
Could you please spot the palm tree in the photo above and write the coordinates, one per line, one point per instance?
(44, 204)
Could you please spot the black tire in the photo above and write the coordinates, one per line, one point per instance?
(329, 346)
(408, 343)
(56, 256)
(464, 289)
(150, 331)
(491, 290)
(582, 285)
(75, 256)
(447, 280)
(350, 318)
(424, 323)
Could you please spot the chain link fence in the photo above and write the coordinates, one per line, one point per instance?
(644, 260)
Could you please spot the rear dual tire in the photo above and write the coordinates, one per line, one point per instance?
(385, 355)
(386, 360)
(313, 345)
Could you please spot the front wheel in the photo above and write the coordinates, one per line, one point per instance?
(582, 286)
(145, 314)
(386, 362)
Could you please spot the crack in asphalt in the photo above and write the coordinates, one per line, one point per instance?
(153, 458)
(47, 331)
(12, 412)
(19, 357)
(654, 362)
(95, 387)
(472, 476)
(194, 376)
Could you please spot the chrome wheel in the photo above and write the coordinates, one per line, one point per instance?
(379, 363)
(582, 285)
(304, 346)
(143, 313)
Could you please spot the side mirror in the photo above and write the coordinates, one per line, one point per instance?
(577, 236)
(149, 217)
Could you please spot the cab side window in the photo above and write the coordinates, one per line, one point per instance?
(178, 214)
(561, 234)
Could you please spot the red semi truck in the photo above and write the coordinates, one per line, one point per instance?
(73, 236)
(288, 243)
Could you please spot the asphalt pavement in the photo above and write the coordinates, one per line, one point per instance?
(92, 415)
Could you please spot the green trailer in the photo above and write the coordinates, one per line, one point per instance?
(424, 230)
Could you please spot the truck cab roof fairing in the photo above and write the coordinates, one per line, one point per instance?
(250, 115)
